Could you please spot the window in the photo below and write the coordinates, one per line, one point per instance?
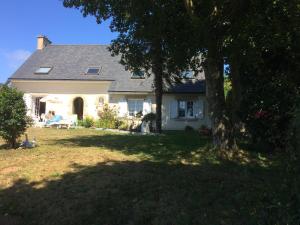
(185, 108)
(93, 71)
(181, 108)
(135, 106)
(190, 109)
(43, 70)
(189, 74)
(100, 102)
(138, 75)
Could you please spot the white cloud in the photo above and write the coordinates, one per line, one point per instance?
(16, 58)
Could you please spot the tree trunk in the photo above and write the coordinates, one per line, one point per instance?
(235, 101)
(13, 142)
(158, 81)
(158, 98)
(213, 67)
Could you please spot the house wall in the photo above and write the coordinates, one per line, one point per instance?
(169, 123)
(66, 92)
(115, 99)
(91, 92)
(62, 87)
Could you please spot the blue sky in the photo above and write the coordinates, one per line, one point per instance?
(22, 21)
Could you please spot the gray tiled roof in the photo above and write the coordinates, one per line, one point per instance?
(190, 86)
(70, 62)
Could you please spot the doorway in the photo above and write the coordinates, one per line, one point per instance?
(40, 107)
(78, 107)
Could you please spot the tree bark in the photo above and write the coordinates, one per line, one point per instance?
(213, 68)
(235, 101)
(158, 98)
(158, 81)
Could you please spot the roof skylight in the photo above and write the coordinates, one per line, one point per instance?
(138, 74)
(43, 70)
(93, 71)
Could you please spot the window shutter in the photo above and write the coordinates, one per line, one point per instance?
(199, 109)
(29, 103)
(173, 109)
(147, 106)
(122, 107)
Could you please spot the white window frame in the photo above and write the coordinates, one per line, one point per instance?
(43, 70)
(186, 112)
(135, 112)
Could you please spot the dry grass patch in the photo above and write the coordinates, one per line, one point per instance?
(86, 177)
(49, 161)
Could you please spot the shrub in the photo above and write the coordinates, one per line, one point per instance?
(108, 118)
(124, 125)
(88, 122)
(149, 117)
(103, 123)
(293, 167)
(107, 113)
(287, 206)
(80, 123)
(188, 128)
(13, 119)
(204, 130)
(139, 114)
(268, 100)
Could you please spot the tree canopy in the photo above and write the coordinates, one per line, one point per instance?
(151, 38)
(257, 39)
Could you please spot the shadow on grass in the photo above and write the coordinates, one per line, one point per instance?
(4, 147)
(167, 147)
(160, 190)
(142, 193)
(176, 146)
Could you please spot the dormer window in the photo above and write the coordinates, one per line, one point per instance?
(43, 70)
(188, 74)
(93, 71)
(138, 75)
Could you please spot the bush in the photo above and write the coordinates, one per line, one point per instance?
(108, 118)
(287, 206)
(13, 119)
(110, 124)
(88, 122)
(150, 117)
(293, 168)
(188, 128)
(204, 130)
(80, 123)
(124, 125)
(268, 100)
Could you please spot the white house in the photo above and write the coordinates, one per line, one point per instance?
(79, 79)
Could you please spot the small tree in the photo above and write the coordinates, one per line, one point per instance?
(13, 119)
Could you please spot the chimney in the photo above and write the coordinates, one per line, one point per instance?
(42, 42)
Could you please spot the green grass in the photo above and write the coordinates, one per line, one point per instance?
(88, 177)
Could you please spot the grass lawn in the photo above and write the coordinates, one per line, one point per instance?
(88, 177)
